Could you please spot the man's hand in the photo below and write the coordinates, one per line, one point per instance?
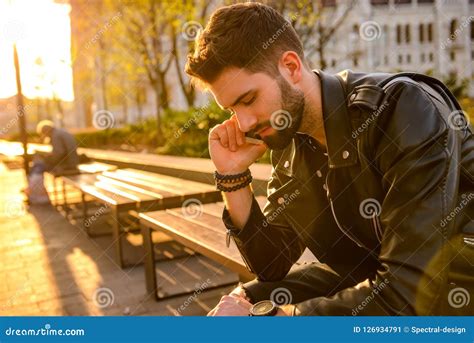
(231, 305)
(228, 149)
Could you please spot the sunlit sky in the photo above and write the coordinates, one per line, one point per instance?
(41, 29)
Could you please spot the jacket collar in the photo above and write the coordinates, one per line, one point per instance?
(341, 147)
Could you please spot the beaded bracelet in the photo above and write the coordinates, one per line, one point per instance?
(233, 188)
(232, 178)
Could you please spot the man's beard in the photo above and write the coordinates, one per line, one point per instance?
(287, 120)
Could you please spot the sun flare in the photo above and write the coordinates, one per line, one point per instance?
(41, 30)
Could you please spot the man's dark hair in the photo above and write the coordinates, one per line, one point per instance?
(247, 35)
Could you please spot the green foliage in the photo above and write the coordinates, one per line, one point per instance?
(186, 133)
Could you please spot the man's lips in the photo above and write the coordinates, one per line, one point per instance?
(264, 131)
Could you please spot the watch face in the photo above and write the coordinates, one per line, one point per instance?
(263, 308)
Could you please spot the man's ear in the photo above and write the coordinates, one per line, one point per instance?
(290, 67)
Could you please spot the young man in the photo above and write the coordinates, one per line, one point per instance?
(377, 184)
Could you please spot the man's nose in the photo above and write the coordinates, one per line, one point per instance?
(246, 122)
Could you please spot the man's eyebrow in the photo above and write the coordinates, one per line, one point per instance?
(239, 99)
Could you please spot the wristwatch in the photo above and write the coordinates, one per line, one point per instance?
(264, 308)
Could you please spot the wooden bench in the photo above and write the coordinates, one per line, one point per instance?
(133, 191)
(85, 168)
(205, 234)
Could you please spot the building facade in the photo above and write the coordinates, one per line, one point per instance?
(425, 36)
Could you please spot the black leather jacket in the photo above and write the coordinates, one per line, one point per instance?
(391, 202)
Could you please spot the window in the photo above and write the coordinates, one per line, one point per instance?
(431, 57)
(399, 34)
(408, 58)
(472, 30)
(355, 28)
(430, 32)
(400, 59)
(385, 59)
(423, 58)
(407, 34)
(355, 61)
(452, 56)
(333, 63)
(453, 26)
(421, 31)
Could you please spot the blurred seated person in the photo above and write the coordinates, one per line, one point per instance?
(64, 153)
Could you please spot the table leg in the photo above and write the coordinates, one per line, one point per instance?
(117, 236)
(150, 272)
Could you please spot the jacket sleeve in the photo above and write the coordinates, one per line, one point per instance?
(416, 154)
(267, 243)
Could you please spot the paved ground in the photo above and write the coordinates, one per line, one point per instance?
(50, 267)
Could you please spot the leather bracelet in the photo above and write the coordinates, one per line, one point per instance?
(233, 177)
(233, 188)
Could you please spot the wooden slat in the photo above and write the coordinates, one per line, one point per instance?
(155, 185)
(95, 167)
(150, 191)
(198, 237)
(166, 180)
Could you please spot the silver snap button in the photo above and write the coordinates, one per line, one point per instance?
(345, 154)
(353, 96)
(287, 164)
(280, 200)
(318, 172)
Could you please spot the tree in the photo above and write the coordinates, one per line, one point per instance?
(315, 21)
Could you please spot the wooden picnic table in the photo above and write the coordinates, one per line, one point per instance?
(134, 191)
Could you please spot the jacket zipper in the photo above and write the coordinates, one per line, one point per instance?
(344, 231)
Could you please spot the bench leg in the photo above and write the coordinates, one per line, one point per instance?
(117, 236)
(55, 193)
(65, 204)
(85, 222)
(150, 272)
